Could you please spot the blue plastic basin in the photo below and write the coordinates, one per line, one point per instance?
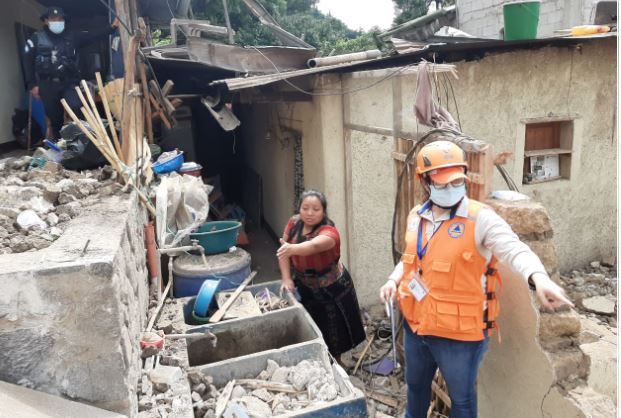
(217, 237)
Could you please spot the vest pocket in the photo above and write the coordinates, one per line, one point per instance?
(458, 316)
(441, 275)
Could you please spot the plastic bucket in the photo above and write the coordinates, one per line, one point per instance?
(521, 19)
(217, 237)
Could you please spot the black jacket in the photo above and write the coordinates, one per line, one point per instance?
(50, 55)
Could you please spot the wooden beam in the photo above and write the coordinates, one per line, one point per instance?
(385, 399)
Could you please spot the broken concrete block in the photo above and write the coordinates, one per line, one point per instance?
(39, 174)
(255, 408)
(603, 371)
(263, 394)
(196, 397)
(271, 367)
(52, 167)
(305, 372)
(200, 388)
(559, 324)
(66, 198)
(328, 392)
(593, 404)
(600, 305)
(280, 375)
(165, 374)
(569, 362)
(52, 219)
(609, 261)
(238, 392)
(72, 209)
(9, 212)
(525, 217)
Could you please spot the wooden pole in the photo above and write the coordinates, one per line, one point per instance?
(104, 99)
(220, 312)
(147, 101)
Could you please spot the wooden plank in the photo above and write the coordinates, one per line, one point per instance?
(548, 151)
(128, 142)
(440, 393)
(369, 129)
(147, 101)
(220, 312)
(385, 399)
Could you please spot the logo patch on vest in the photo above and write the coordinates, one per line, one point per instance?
(456, 230)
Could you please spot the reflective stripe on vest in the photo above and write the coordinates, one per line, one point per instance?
(451, 268)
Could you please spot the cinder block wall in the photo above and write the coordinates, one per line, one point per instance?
(484, 18)
(70, 321)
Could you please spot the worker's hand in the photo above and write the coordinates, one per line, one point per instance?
(287, 285)
(116, 23)
(286, 250)
(35, 91)
(550, 294)
(388, 291)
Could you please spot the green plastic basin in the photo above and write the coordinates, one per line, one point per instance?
(217, 237)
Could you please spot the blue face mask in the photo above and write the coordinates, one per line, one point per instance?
(57, 27)
(448, 196)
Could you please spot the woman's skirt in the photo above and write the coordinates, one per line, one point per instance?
(335, 310)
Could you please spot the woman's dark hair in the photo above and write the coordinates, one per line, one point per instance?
(296, 229)
(314, 193)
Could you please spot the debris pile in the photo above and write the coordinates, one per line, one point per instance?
(38, 198)
(386, 395)
(594, 291)
(276, 390)
(163, 391)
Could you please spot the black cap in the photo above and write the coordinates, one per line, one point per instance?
(53, 11)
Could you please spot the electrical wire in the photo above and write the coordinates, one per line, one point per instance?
(336, 93)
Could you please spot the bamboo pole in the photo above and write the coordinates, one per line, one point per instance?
(106, 105)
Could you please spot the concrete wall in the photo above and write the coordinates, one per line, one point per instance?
(496, 96)
(484, 18)
(70, 321)
(11, 79)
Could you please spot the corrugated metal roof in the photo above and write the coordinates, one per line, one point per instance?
(448, 51)
(260, 80)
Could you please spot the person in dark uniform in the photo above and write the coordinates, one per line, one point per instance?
(51, 64)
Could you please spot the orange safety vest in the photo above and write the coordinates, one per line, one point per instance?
(451, 268)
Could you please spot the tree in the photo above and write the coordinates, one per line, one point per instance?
(412, 9)
(300, 17)
(409, 9)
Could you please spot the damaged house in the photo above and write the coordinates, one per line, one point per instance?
(104, 313)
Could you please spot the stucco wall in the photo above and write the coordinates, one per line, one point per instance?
(11, 80)
(495, 97)
(484, 18)
(320, 122)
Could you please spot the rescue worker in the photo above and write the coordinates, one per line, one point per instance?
(446, 282)
(51, 64)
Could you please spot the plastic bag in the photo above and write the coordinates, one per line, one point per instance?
(81, 153)
(182, 206)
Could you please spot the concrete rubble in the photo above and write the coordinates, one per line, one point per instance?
(37, 203)
(276, 390)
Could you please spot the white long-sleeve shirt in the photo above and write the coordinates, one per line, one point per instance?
(492, 235)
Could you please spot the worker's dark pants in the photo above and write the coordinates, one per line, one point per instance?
(459, 364)
(51, 91)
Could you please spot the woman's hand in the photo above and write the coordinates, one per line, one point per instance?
(287, 285)
(550, 294)
(286, 250)
(388, 291)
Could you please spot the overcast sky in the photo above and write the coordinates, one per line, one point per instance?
(360, 13)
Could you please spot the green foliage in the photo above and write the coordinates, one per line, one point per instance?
(300, 17)
(409, 9)
(159, 39)
(412, 9)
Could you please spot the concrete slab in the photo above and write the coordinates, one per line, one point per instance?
(71, 314)
(20, 402)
